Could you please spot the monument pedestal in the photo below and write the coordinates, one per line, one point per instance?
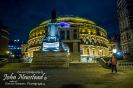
(43, 59)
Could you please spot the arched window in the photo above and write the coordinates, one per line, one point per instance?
(81, 40)
(87, 42)
(84, 40)
(92, 41)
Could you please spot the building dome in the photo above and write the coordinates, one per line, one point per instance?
(74, 21)
(82, 36)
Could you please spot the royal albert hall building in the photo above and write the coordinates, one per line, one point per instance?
(85, 39)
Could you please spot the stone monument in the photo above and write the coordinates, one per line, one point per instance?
(54, 53)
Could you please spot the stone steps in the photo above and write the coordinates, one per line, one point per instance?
(16, 65)
(84, 65)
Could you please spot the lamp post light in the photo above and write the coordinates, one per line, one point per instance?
(114, 50)
(7, 52)
(10, 55)
(118, 53)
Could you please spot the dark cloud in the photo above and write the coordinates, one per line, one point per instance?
(23, 15)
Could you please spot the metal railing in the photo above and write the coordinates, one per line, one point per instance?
(3, 62)
(102, 62)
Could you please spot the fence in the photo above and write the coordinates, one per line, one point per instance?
(124, 65)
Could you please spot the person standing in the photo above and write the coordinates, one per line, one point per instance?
(114, 63)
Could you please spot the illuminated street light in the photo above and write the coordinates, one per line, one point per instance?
(18, 40)
(119, 54)
(114, 50)
(7, 52)
(12, 55)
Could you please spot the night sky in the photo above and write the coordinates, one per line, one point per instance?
(23, 15)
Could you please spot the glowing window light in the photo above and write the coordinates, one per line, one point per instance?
(51, 45)
(64, 25)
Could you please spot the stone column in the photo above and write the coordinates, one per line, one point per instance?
(75, 49)
(65, 34)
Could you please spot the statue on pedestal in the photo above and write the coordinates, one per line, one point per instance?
(54, 52)
(52, 40)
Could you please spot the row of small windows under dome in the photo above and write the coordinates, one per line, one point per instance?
(42, 32)
(93, 42)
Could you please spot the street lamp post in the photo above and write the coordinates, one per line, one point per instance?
(114, 50)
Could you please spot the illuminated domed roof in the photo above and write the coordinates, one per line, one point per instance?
(69, 19)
